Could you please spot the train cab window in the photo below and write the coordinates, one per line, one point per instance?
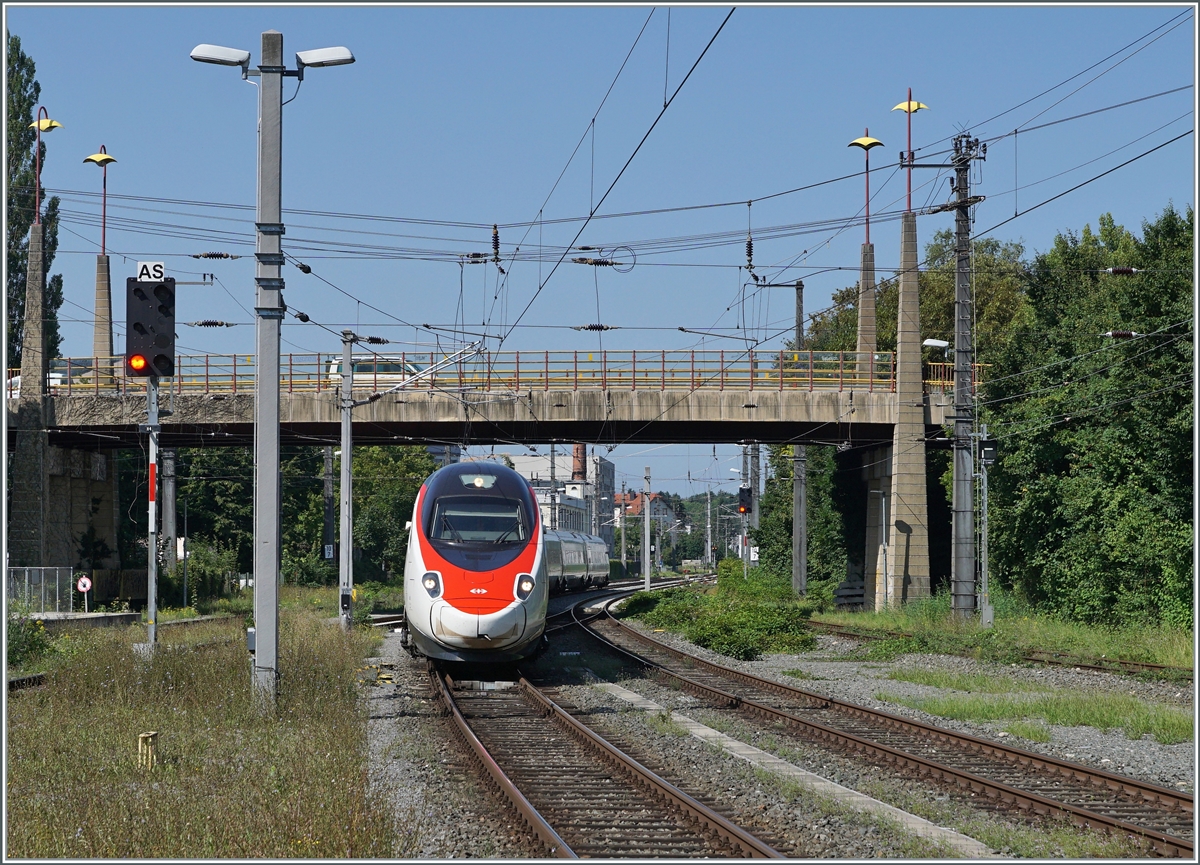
(478, 519)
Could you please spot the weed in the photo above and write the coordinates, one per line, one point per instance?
(1104, 711)
(664, 723)
(27, 640)
(1030, 730)
(977, 683)
(742, 618)
(231, 781)
(1018, 630)
(800, 674)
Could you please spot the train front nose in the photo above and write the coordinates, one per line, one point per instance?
(479, 625)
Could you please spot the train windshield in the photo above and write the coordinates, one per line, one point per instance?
(478, 520)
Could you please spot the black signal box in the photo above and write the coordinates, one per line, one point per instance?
(745, 500)
(150, 327)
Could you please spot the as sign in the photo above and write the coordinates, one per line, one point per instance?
(151, 271)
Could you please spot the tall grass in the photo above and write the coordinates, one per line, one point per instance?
(1017, 630)
(231, 781)
(1105, 711)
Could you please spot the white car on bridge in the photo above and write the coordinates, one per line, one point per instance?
(374, 372)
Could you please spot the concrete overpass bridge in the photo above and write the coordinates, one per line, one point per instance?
(63, 429)
(603, 397)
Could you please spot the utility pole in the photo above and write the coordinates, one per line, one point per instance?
(799, 480)
(624, 505)
(327, 537)
(553, 492)
(646, 531)
(745, 517)
(185, 550)
(169, 528)
(708, 550)
(269, 309)
(755, 481)
(962, 578)
(346, 559)
(595, 495)
(987, 456)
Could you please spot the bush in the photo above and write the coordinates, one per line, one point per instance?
(308, 570)
(743, 618)
(27, 637)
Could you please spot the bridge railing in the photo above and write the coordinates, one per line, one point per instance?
(512, 371)
(504, 371)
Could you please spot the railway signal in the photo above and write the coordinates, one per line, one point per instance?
(745, 500)
(150, 327)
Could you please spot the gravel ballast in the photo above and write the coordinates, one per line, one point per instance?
(858, 682)
(418, 769)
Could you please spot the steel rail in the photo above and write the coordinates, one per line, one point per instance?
(1164, 843)
(732, 834)
(551, 839)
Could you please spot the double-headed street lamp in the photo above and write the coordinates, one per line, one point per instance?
(269, 309)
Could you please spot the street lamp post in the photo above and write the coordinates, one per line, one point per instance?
(41, 124)
(102, 159)
(269, 309)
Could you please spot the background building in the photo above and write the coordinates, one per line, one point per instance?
(584, 488)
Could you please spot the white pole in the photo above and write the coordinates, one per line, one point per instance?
(152, 551)
(346, 559)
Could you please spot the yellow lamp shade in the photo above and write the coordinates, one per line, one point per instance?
(910, 107)
(865, 143)
(100, 159)
(45, 124)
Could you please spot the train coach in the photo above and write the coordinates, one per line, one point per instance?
(481, 566)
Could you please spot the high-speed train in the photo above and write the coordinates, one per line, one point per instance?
(481, 566)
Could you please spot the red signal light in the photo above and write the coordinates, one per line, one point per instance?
(137, 363)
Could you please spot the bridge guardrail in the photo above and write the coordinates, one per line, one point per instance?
(514, 371)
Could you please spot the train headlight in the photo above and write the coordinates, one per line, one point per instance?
(524, 586)
(432, 581)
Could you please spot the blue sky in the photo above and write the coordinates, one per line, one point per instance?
(468, 115)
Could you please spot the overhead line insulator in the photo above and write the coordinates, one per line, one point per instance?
(214, 255)
(1122, 271)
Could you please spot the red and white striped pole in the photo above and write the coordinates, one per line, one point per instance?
(152, 551)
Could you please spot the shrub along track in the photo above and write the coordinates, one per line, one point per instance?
(1062, 659)
(1159, 817)
(579, 794)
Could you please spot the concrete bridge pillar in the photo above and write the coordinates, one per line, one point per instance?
(27, 513)
(908, 517)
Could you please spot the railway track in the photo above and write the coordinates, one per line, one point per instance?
(1160, 818)
(579, 794)
(1062, 659)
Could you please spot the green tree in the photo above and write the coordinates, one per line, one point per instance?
(219, 485)
(386, 483)
(23, 94)
(1091, 502)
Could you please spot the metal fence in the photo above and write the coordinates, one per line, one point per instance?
(512, 371)
(43, 590)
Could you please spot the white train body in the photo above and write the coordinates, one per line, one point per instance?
(481, 566)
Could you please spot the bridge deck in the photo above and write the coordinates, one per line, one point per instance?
(496, 397)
